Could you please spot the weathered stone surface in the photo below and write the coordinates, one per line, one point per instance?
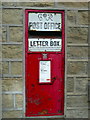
(0, 67)
(12, 84)
(12, 16)
(81, 85)
(1, 59)
(73, 4)
(4, 34)
(8, 4)
(13, 114)
(16, 68)
(0, 13)
(77, 101)
(83, 17)
(5, 67)
(46, 4)
(77, 35)
(70, 85)
(79, 68)
(29, 4)
(16, 34)
(12, 51)
(71, 17)
(0, 34)
(77, 52)
(89, 113)
(36, 4)
(7, 101)
(19, 101)
(1, 53)
(77, 113)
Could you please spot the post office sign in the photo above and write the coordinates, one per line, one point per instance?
(44, 22)
(44, 44)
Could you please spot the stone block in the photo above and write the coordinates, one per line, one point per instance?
(83, 17)
(7, 101)
(81, 85)
(36, 4)
(11, 4)
(89, 105)
(5, 67)
(77, 52)
(77, 101)
(0, 34)
(79, 68)
(16, 68)
(12, 16)
(16, 34)
(4, 34)
(29, 4)
(77, 35)
(0, 14)
(70, 84)
(12, 84)
(12, 51)
(46, 4)
(12, 114)
(88, 93)
(0, 67)
(19, 101)
(73, 4)
(77, 113)
(1, 53)
(71, 17)
(88, 113)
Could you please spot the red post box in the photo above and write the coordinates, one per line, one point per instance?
(44, 62)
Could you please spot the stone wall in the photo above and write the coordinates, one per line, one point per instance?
(76, 72)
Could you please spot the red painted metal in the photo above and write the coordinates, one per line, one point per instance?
(44, 99)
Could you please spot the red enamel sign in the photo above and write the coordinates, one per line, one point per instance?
(44, 62)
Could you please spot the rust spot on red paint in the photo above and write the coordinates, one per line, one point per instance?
(59, 111)
(58, 100)
(33, 85)
(34, 101)
(43, 89)
(54, 78)
(48, 79)
(28, 74)
(43, 112)
(37, 102)
(59, 90)
(49, 98)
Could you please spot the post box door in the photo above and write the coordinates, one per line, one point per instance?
(45, 98)
(44, 79)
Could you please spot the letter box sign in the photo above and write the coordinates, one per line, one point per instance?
(44, 62)
(43, 44)
(45, 21)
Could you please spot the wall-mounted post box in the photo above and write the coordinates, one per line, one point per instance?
(44, 62)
